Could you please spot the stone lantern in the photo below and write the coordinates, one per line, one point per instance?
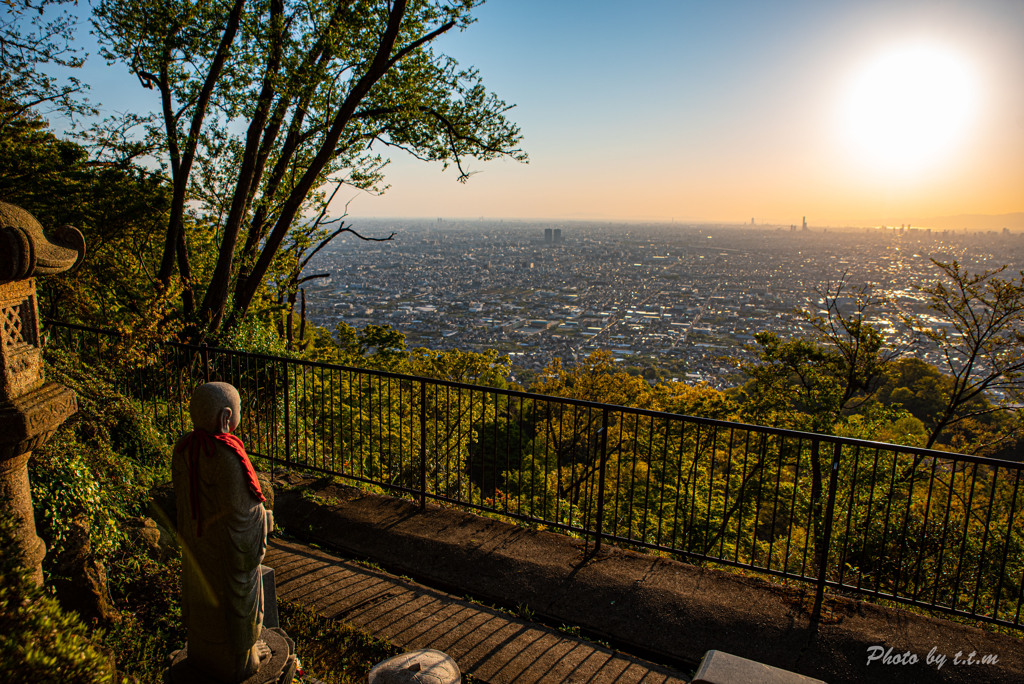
(31, 409)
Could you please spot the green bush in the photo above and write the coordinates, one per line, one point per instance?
(39, 642)
(147, 593)
(100, 464)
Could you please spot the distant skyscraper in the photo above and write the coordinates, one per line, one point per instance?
(805, 223)
(547, 235)
(558, 236)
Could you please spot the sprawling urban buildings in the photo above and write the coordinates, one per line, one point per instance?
(685, 300)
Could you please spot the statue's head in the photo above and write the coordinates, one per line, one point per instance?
(215, 407)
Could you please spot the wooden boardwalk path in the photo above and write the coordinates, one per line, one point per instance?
(491, 645)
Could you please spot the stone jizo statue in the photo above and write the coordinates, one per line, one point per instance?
(222, 529)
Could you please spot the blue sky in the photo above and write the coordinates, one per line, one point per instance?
(715, 111)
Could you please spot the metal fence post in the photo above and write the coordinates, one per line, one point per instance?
(423, 444)
(287, 418)
(599, 526)
(206, 362)
(833, 477)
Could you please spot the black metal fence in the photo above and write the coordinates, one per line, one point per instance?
(928, 528)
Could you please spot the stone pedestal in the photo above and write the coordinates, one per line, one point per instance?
(16, 503)
(279, 668)
(270, 616)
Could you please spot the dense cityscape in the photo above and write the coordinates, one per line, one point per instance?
(682, 301)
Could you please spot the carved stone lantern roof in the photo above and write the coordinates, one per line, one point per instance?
(26, 251)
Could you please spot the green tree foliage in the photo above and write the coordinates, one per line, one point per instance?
(843, 369)
(373, 346)
(796, 384)
(924, 391)
(652, 470)
(318, 89)
(696, 400)
(100, 464)
(918, 387)
(813, 382)
(118, 208)
(596, 378)
(36, 35)
(567, 437)
(367, 425)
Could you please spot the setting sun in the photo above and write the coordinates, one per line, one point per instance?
(908, 108)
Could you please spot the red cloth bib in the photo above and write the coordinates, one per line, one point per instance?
(198, 442)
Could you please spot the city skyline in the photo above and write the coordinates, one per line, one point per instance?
(848, 113)
(685, 299)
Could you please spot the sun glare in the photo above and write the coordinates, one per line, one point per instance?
(908, 108)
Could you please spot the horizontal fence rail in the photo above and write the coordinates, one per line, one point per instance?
(939, 530)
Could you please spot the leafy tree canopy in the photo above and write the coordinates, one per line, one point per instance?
(35, 35)
(268, 106)
(119, 209)
(596, 378)
(813, 382)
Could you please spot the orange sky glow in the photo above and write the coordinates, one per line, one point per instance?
(856, 114)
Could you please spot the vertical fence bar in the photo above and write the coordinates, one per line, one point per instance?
(599, 525)
(287, 419)
(1011, 511)
(813, 506)
(833, 477)
(423, 445)
(205, 351)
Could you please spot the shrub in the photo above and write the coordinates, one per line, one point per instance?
(100, 464)
(39, 642)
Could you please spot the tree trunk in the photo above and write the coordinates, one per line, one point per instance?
(217, 291)
(379, 66)
(176, 223)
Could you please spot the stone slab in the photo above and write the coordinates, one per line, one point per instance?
(270, 617)
(28, 420)
(719, 667)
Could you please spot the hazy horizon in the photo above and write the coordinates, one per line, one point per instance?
(970, 222)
